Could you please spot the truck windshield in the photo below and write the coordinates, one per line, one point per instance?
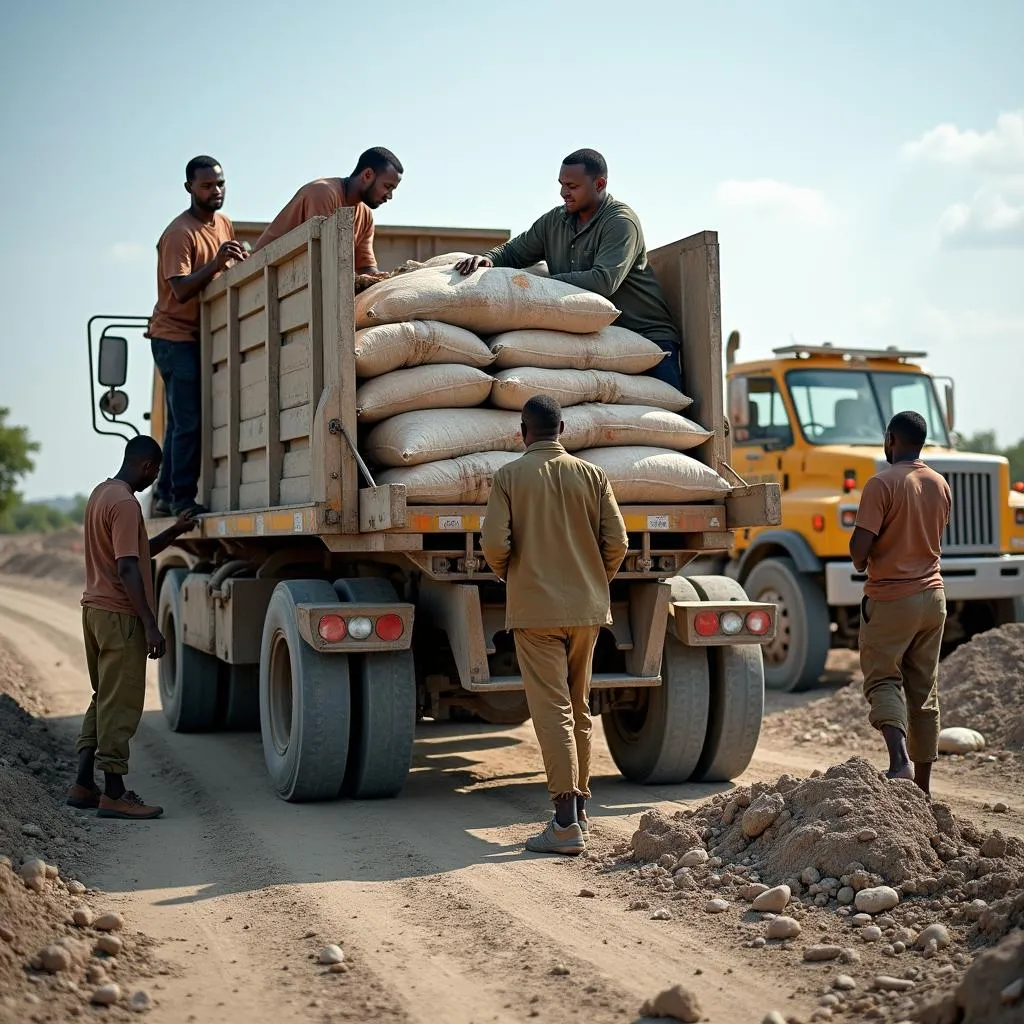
(853, 406)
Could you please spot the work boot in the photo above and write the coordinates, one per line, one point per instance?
(160, 509)
(555, 839)
(194, 507)
(129, 806)
(85, 798)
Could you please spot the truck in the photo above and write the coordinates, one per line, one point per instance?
(812, 419)
(333, 615)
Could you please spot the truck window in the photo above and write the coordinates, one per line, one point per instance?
(911, 392)
(836, 406)
(769, 423)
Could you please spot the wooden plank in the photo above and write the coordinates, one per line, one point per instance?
(254, 468)
(219, 500)
(316, 319)
(295, 490)
(296, 462)
(292, 276)
(252, 495)
(293, 389)
(272, 393)
(218, 312)
(234, 363)
(295, 423)
(205, 406)
(220, 473)
(252, 331)
(219, 345)
(252, 297)
(252, 434)
(219, 441)
(381, 508)
(756, 505)
(294, 311)
(220, 413)
(648, 614)
(707, 541)
(295, 351)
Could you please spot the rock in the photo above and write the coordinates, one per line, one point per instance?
(51, 871)
(587, 894)
(815, 954)
(876, 900)
(140, 1001)
(937, 933)
(829, 999)
(889, 984)
(774, 900)
(559, 970)
(331, 955)
(693, 858)
(716, 906)
(783, 928)
(994, 846)
(845, 896)
(761, 814)
(773, 1017)
(844, 983)
(95, 973)
(76, 888)
(55, 959)
(684, 880)
(1012, 992)
(82, 916)
(33, 874)
(109, 944)
(1000, 808)
(752, 890)
(810, 876)
(28, 829)
(850, 956)
(662, 914)
(871, 934)
(338, 969)
(867, 835)
(860, 920)
(960, 741)
(677, 1003)
(107, 995)
(7, 934)
(899, 947)
(109, 922)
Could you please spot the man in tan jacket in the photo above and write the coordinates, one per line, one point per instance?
(554, 533)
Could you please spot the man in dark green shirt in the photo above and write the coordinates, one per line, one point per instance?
(595, 242)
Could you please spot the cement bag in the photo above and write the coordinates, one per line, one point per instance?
(611, 348)
(640, 476)
(489, 301)
(449, 259)
(513, 388)
(462, 481)
(392, 346)
(414, 438)
(608, 426)
(444, 386)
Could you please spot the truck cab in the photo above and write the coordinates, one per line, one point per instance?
(813, 419)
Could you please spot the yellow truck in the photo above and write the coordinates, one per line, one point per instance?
(331, 613)
(812, 419)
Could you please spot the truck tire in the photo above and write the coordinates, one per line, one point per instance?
(795, 659)
(305, 706)
(737, 695)
(661, 741)
(187, 677)
(383, 707)
(240, 688)
(501, 708)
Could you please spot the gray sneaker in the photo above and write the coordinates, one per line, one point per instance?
(555, 839)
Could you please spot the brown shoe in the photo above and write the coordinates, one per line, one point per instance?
(130, 807)
(85, 798)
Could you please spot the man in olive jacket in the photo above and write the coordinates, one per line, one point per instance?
(554, 533)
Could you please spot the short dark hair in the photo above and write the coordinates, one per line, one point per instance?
(142, 449)
(593, 163)
(909, 428)
(542, 413)
(378, 160)
(199, 163)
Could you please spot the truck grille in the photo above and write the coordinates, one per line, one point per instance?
(973, 522)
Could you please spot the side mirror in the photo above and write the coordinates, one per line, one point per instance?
(739, 398)
(950, 410)
(113, 361)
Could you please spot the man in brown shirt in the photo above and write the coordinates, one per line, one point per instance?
(119, 623)
(554, 533)
(194, 248)
(377, 175)
(898, 539)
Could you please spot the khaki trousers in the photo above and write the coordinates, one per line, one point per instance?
(900, 643)
(116, 652)
(556, 665)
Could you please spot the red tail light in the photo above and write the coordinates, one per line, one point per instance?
(390, 627)
(818, 522)
(706, 623)
(758, 623)
(331, 628)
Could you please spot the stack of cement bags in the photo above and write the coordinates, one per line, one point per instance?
(442, 406)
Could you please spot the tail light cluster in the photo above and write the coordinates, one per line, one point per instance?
(335, 628)
(711, 623)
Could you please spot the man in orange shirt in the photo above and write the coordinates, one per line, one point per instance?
(120, 628)
(377, 175)
(898, 540)
(194, 248)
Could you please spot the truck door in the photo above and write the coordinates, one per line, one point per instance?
(761, 443)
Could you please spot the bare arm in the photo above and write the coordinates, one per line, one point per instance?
(182, 524)
(860, 547)
(522, 251)
(190, 285)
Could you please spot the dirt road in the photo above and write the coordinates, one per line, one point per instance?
(442, 917)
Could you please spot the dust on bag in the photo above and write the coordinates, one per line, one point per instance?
(415, 343)
(513, 388)
(640, 475)
(444, 386)
(414, 438)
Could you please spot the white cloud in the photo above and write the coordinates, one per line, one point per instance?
(997, 149)
(129, 252)
(778, 198)
(994, 218)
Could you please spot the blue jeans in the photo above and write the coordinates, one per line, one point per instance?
(178, 363)
(669, 370)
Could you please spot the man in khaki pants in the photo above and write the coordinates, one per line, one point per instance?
(903, 512)
(120, 629)
(554, 533)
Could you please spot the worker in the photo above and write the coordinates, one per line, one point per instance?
(898, 541)
(595, 242)
(374, 180)
(194, 248)
(120, 628)
(554, 533)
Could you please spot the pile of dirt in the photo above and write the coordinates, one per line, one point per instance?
(52, 556)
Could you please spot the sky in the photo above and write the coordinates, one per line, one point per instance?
(862, 163)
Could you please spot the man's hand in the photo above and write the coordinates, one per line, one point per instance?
(230, 251)
(155, 642)
(468, 266)
(185, 522)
